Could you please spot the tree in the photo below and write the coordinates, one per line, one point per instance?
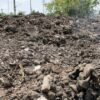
(86, 6)
(71, 7)
(30, 6)
(14, 5)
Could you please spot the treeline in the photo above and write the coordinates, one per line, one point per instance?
(71, 7)
(78, 8)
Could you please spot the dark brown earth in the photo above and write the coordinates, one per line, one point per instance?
(36, 46)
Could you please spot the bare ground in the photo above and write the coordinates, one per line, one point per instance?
(35, 46)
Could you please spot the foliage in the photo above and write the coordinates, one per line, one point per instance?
(21, 13)
(71, 7)
(86, 6)
(11, 14)
(33, 12)
(2, 14)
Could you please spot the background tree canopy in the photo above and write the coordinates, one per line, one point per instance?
(71, 7)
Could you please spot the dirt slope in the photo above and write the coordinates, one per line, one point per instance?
(35, 46)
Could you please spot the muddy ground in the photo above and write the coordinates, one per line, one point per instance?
(49, 58)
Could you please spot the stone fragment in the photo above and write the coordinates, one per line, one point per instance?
(51, 95)
(84, 83)
(42, 98)
(37, 67)
(73, 87)
(87, 70)
(46, 83)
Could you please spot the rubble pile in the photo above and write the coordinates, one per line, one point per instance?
(49, 58)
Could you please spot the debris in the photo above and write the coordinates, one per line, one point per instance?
(46, 83)
(51, 95)
(73, 87)
(37, 67)
(22, 71)
(2, 92)
(84, 83)
(42, 98)
(88, 70)
(49, 58)
(5, 83)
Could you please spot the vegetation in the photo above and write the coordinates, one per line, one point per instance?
(33, 12)
(71, 7)
(21, 13)
(2, 14)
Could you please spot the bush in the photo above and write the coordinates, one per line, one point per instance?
(2, 14)
(21, 13)
(71, 7)
(33, 12)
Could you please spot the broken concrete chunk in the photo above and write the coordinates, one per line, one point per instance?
(46, 83)
(81, 76)
(73, 87)
(30, 94)
(81, 66)
(42, 98)
(56, 69)
(37, 67)
(80, 96)
(2, 92)
(87, 70)
(51, 95)
(84, 83)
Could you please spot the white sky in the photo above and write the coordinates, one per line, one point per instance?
(21, 5)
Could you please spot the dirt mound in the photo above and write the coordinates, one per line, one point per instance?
(46, 58)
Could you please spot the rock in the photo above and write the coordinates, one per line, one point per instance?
(87, 70)
(29, 71)
(71, 22)
(37, 67)
(58, 88)
(5, 82)
(81, 76)
(26, 49)
(11, 28)
(56, 69)
(46, 83)
(36, 88)
(40, 77)
(56, 61)
(65, 98)
(98, 98)
(73, 87)
(38, 62)
(80, 96)
(84, 83)
(2, 92)
(59, 93)
(89, 95)
(42, 98)
(34, 94)
(12, 64)
(67, 30)
(81, 66)
(51, 95)
(31, 95)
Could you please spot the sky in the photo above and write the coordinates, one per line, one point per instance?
(22, 5)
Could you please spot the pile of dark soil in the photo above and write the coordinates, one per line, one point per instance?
(49, 58)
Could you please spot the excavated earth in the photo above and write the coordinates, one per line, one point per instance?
(49, 58)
